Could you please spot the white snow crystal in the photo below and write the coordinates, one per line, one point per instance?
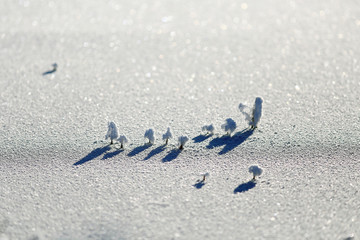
(167, 135)
(208, 128)
(149, 134)
(112, 132)
(242, 108)
(182, 141)
(257, 112)
(255, 170)
(229, 126)
(123, 140)
(255, 116)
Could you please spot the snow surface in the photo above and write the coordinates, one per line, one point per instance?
(181, 64)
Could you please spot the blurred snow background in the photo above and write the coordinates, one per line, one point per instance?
(180, 64)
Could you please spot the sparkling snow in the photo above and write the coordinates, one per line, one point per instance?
(159, 64)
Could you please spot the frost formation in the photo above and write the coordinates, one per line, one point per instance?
(167, 135)
(123, 140)
(149, 134)
(255, 170)
(208, 128)
(182, 141)
(253, 118)
(112, 132)
(229, 126)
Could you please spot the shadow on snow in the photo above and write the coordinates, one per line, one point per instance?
(201, 138)
(139, 149)
(155, 151)
(93, 154)
(199, 184)
(229, 142)
(112, 154)
(49, 72)
(173, 154)
(245, 187)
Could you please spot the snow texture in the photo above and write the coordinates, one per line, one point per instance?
(208, 128)
(112, 132)
(229, 126)
(179, 64)
(149, 134)
(167, 135)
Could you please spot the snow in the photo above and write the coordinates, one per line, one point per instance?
(179, 64)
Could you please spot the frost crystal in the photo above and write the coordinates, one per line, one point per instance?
(123, 140)
(112, 132)
(255, 112)
(149, 134)
(255, 170)
(208, 128)
(167, 135)
(182, 141)
(229, 126)
(204, 176)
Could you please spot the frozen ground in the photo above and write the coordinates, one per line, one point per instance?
(181, 64)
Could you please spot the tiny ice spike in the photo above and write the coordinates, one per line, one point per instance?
(255, 170)
(167, 135)
(256, 114)
(208, 128)
(182, 141)
(112, 132)
(123, 140)
(149, 134)
(252, 117)
(229, 126)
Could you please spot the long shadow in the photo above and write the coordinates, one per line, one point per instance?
(199, 184)
(219, 141)
(93, 154)
(245, 187)
(236, 140)
(49, 72)
(201, 138)
(112, 154)
(230, 143)
(155, 151)
(173, 154)
(139, 149)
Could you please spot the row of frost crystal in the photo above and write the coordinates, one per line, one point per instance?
(252, 117)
